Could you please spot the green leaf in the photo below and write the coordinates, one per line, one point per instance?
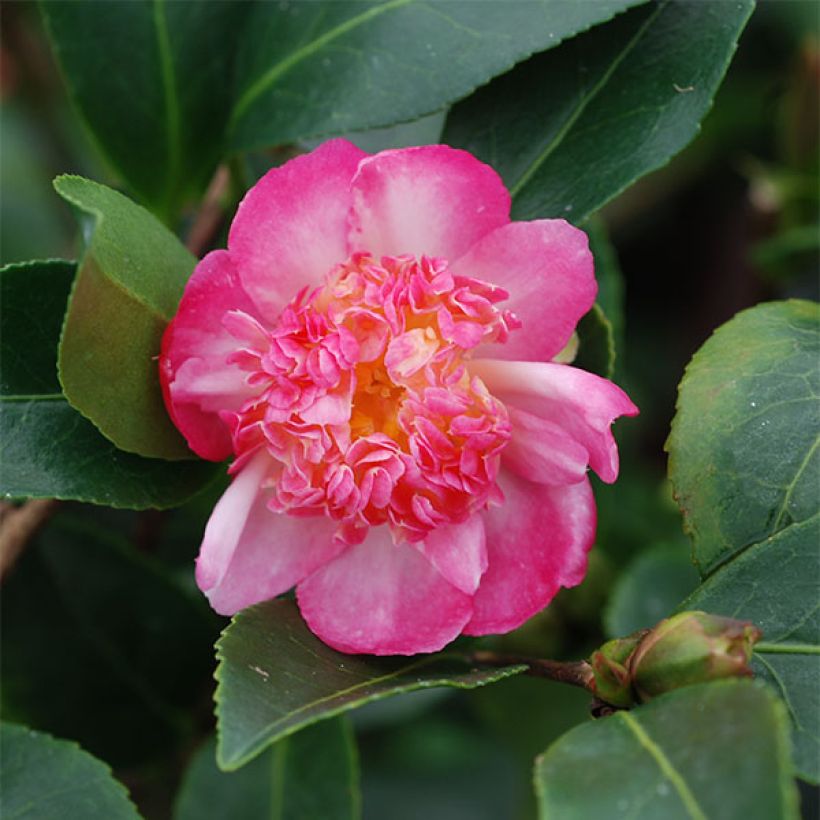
(312, 774)
(596, 343)
(128, 286)
(745, 467)
(774, 584)
(275, 677)
(100, 645)
(571, 128)
(743, 451)
(310, 69)
(49, 779)
(47, 449)
(600, 332)
(650, 589)
(711, 750)
(159, 118)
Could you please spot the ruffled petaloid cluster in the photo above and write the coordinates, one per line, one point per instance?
(375, 350)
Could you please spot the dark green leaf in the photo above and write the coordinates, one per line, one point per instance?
(49, 779)
(47, 449)
(276, 677)
(774, 584)
(596, 344)
(706, 751)
(158, 115)
(309, 69)
(312, 774)
(101, 646)
(570, 129)
(744, 464)
(610, 282)
(650, 589)
(743, 452)
(128, 287)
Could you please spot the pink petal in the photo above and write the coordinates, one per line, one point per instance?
(249, 553)
(541, 451)
(537, 542)
(196, 380)
(547, 268)
(431, 200)
(382, 599)
(291, 227)
(458, 552)
(580, 403)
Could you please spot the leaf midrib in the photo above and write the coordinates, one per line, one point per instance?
(269, 77)
(584, 102)
(269, 730)
(664, 764)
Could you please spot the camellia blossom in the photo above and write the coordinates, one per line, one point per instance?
(376, 349)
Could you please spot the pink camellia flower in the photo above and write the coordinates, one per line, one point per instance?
(376, 351)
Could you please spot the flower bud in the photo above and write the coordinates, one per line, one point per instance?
(612, 681)
(691, 647)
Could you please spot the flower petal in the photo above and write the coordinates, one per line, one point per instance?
(580, 403)
(458, 552)
(547, 268)
(291, 227)
(541, 451)
(432, 200)
(537, 542)
(197, 382)
(249, 553)
(384, 599)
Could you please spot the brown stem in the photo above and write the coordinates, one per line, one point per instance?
(18, 525)
(575, 673)
(211, 213)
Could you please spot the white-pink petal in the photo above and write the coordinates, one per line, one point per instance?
(384, 599)
(537, 542)
(547, 268)
(432, 200)
(250, 553)
(291, 227)
(197, 380)
(581, 404)
(542, 451)
(458, 552)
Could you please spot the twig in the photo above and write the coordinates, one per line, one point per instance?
(18, 526)
(211, 213)
(575, 673)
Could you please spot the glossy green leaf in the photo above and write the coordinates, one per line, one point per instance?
(650, 589)
(706, 751)
(596, 343)
(128, 286)
(49, 779)
(743, 452)
(276, 677)
(310, 69)
(159, 115)
(312, 774)
(745, 467)
(47, 449)
(774, 584)
(100, 645)
(571, 128)
(600, 332)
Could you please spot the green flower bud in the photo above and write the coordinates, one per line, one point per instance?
(691, 647)
(611, 680)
